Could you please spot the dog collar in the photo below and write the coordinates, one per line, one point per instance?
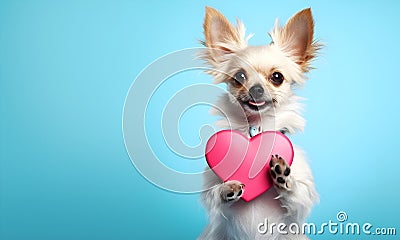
(253, 130)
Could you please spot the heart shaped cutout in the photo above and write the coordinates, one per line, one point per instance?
(233, 156)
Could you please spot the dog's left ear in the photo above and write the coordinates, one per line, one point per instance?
(221, 37)
(296, 38)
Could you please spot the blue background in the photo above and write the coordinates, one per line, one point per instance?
(65, 69)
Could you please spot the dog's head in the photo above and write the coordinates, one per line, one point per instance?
(259, 78)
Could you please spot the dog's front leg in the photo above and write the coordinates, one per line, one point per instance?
(295, 186)
(217, 199)
(219, 194)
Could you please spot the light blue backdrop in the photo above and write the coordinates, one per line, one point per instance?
(65, 69)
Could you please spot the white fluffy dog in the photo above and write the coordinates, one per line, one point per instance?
(260, 81)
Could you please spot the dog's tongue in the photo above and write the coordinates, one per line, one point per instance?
(257, 104)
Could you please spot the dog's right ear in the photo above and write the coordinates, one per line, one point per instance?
(297, 38)
(221, 36)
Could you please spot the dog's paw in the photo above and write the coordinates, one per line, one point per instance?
(280, 173)
(232, 191)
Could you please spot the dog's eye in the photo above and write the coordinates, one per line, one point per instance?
(277, 78)
(240, 77)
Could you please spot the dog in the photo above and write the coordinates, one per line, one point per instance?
(260, 97)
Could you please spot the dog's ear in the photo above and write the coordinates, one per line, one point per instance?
(221, 37)
(296, 38)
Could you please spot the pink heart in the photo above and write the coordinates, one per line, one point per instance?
(233, 156)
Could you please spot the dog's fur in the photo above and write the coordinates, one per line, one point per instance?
(275, 69)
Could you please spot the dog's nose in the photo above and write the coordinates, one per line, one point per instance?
(256, 92)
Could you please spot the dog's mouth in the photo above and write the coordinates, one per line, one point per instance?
(257, 105)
